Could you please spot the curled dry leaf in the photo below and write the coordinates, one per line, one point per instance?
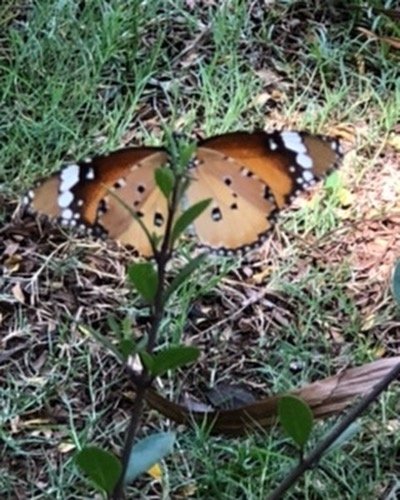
(325, 397)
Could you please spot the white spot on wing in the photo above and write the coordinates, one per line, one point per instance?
(67, 214)
(337, 147)
(308, 176)
(69, 177)
(304, 160)
(65, 199)
(293, 141)
(90, 174)
(273, 145)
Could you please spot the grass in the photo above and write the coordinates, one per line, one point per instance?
(81, 79)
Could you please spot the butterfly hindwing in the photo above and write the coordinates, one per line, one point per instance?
(139, 192)
(242, 207)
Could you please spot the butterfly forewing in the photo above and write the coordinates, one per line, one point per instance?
(287, 162)
(111, 171)
(324, 151)
(44, 199)
(74, 193)
(242, 207)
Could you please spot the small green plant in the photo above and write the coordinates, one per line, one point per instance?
(108, 473)
(296, 418)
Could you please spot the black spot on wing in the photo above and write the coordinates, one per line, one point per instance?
(158, 219)
(216, 214)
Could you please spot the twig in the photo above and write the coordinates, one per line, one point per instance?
(314, 457)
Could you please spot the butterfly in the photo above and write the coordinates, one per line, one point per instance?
(249, 177)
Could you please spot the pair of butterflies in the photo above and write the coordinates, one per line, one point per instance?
(249, 177)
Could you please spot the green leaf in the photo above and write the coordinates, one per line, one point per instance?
(333, 181)
(113, 324)
(188, 217)
(101, 466)
(127, 347)
(296, 418)
(147, 360)
(121, 328)
(186, 153)
(173, 357)
(144, 277)
(184, 273)
(126, 327)
(165, 180)
(147, 452)
(396, 282)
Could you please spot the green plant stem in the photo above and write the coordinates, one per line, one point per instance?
(162, 257)
(316, 455)
(143, 381)
(137, 409)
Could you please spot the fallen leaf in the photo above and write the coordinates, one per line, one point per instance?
(368, 323)
(18, 293)
(66, 447)
(12, 263)
(345, 197)
(155, 472)
(186, 491)
(261, 99)
(268, 76)
(260, 277)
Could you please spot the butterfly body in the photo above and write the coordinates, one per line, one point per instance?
(247, 176)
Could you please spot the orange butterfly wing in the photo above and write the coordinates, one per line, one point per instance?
(247, 175)
(79, 194)
(287, 162)
(140, 193)
(242, 208)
